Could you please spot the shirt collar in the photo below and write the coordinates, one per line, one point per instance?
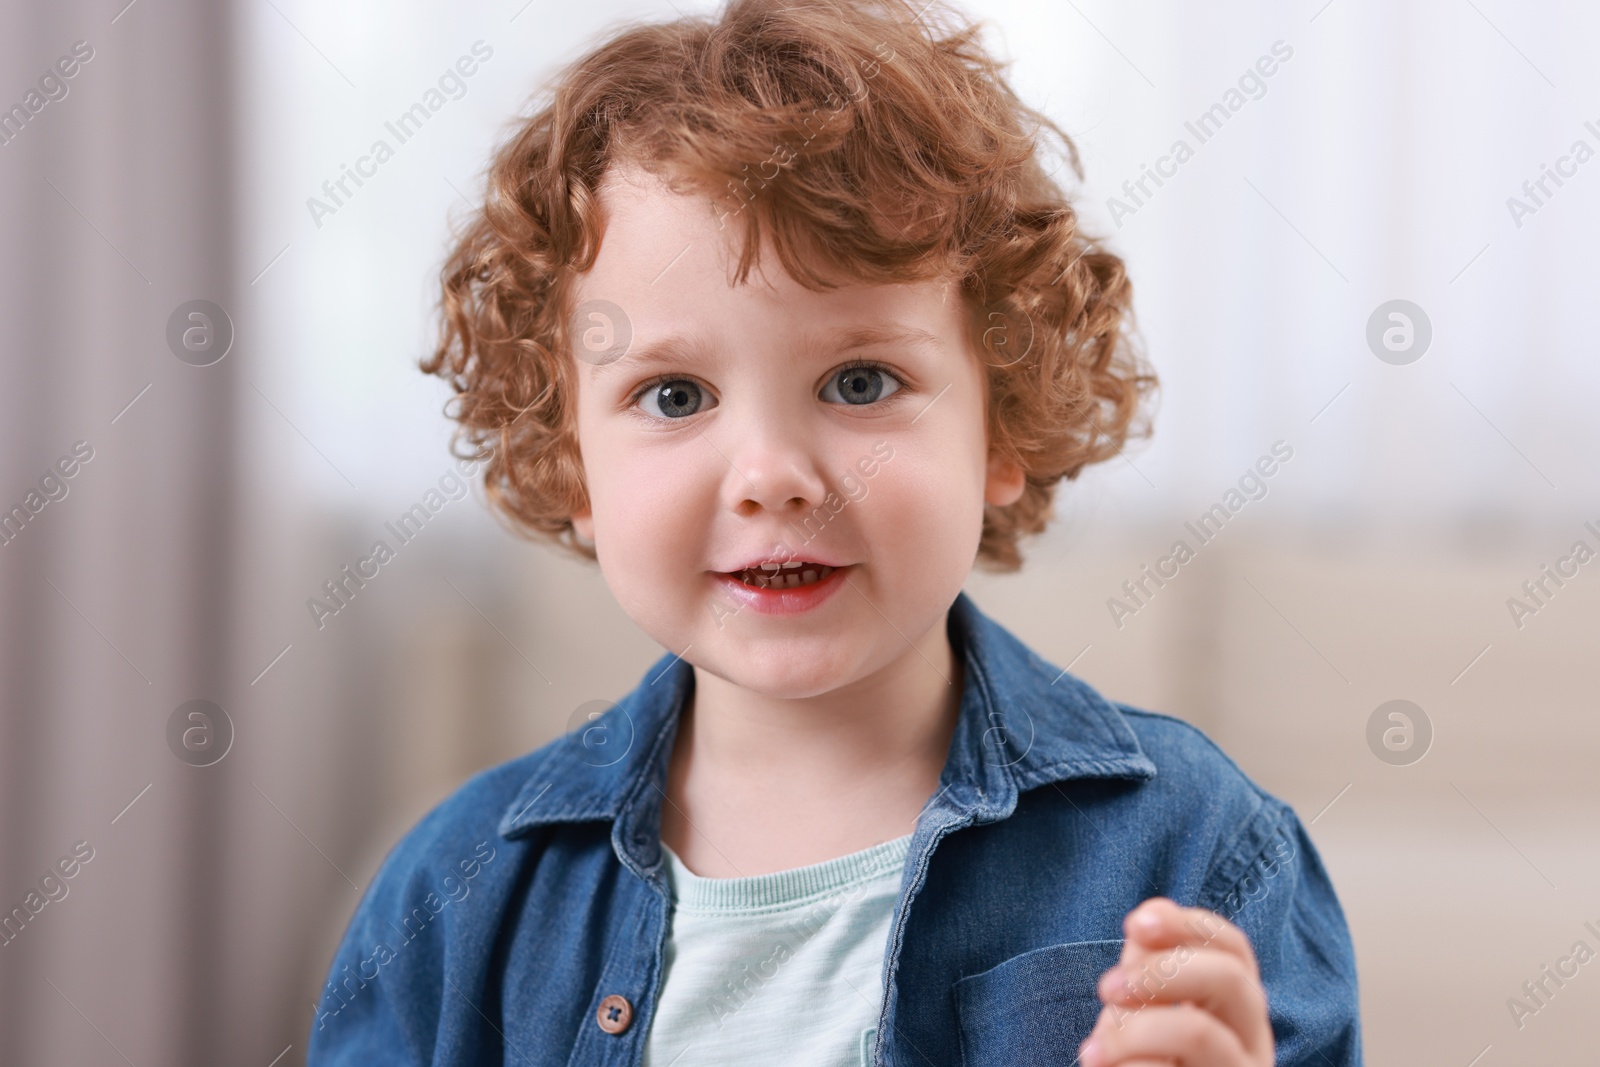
(1022, 723)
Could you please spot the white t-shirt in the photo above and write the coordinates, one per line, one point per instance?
(776, 968)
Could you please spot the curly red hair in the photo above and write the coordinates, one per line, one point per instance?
(896, 152)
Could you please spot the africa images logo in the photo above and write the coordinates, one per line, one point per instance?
(404, 127)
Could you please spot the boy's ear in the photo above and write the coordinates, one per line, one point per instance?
(583, 522)
(1005, 481)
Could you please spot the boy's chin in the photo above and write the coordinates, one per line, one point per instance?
(791, 673)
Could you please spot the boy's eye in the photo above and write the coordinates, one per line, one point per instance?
(674, 399)
(860, 385)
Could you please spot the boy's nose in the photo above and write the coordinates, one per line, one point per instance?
(771, 467)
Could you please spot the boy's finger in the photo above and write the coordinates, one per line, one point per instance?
(1159, 923)
(1216, 982)
(1179, 1034)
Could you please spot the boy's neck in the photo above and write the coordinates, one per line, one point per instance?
(760, 784)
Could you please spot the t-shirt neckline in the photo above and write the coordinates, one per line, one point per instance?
(784, 889)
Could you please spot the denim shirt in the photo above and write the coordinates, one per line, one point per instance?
(522, 921)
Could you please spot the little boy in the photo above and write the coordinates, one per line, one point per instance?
(777, 316)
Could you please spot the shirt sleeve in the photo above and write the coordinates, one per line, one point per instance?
(380, 1001)
(1274, 888)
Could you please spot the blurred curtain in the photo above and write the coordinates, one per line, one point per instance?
(114, 598)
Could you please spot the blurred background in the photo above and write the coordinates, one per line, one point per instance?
(222, 468)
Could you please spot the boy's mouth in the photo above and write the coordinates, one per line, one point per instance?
(783, 575)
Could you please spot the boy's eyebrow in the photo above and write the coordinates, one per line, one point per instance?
(669, 352)
(854, 337)
(674, 351)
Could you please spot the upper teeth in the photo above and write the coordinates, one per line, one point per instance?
(787, 575)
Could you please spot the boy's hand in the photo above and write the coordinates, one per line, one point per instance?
(1186, 991)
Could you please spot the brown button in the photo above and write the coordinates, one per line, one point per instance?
(615, 1014)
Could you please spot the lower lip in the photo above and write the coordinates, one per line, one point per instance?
(783, 601)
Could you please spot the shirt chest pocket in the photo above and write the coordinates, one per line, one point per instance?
(1033, 1010)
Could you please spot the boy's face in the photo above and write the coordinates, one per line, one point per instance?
(763, 438)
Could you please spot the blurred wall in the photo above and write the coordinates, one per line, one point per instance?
(117, 594)
(1374, 164)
